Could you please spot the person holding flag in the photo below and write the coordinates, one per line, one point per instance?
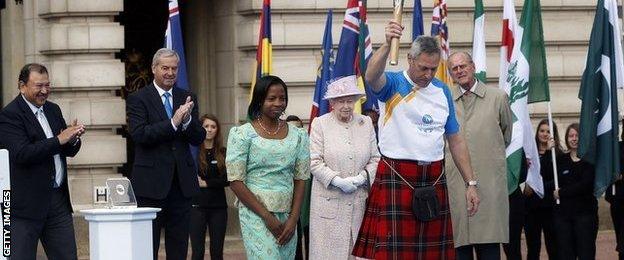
(575, 219)
(416, 115)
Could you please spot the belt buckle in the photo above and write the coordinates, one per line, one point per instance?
(424, 163)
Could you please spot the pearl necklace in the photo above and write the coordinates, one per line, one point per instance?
(279, 126)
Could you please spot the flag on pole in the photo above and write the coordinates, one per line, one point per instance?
(478, 41)
(604, 72)
(525, 80)
(264, 54)
(347, 61)
(319, 106)
(440, 31)
(323, 75)
(417, 20)
(365, 51)
(173, 40)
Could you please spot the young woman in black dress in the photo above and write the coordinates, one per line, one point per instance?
(210, 207)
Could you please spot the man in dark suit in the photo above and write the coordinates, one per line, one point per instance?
(164, 174)
(38, 140)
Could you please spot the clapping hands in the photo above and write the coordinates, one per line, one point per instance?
(71, 133)
(183, 113)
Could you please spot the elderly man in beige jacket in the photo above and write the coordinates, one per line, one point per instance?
(486, 122)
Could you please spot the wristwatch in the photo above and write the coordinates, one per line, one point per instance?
(474, 183)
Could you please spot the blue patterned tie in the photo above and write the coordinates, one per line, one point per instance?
(168, 107)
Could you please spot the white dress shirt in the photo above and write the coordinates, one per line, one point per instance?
(161, 92)
(43, 121)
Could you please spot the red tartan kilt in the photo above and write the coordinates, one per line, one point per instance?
(393, 232)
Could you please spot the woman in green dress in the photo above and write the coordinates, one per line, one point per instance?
(268, 162)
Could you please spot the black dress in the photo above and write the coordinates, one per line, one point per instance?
(209, 211)
(576, 217)
(616, 200)
(539, 215)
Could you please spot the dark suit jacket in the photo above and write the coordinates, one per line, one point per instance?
(31, 156)
(159, 150)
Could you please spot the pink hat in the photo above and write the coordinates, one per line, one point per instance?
(342, 87)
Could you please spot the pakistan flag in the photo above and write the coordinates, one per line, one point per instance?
(604, 70)
(526, 82)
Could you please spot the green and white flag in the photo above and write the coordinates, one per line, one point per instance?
(478, 41)
(604, 70)
(525, 81)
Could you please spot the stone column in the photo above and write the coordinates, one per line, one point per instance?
(12, 49)
(77, 41)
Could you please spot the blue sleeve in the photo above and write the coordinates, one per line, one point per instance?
(451, 126)
(388, 90)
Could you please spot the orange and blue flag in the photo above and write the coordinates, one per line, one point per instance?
(264, 54)
(439, 30)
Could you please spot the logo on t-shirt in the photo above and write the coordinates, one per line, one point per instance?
(427, 119)
(426, 124)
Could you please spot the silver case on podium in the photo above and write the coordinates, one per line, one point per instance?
(120, 193)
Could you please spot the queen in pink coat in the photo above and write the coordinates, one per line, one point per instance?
(344, 157)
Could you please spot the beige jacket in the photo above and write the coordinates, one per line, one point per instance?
(486, 125)
(338, 149)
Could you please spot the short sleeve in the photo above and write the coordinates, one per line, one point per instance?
(388, 90)
(237, 153)
(451, 126)
(302, 163)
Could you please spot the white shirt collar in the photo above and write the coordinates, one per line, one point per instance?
(32, 107)
(409, 80)
(162, 91)
(472, 89)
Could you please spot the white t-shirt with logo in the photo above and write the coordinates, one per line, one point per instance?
(412, 123)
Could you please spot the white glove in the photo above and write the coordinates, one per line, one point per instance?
(357, 180)
(345, 185)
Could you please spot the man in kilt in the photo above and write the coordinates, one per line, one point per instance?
(416, 114)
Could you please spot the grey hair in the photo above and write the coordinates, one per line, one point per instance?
(424, 44)
(161, 53)
(465, 53)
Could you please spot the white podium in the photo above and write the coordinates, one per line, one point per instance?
(120, 233)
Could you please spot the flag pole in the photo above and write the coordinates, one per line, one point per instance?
(552, 150)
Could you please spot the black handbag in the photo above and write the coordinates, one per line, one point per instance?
(425, 203)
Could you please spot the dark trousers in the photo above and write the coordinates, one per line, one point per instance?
(537, 220)
(516, 221)
(302, 232)
(576, 236)
(490, 251)
(617, 216)
(216, 221)
(56, 232)
(174, 217)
